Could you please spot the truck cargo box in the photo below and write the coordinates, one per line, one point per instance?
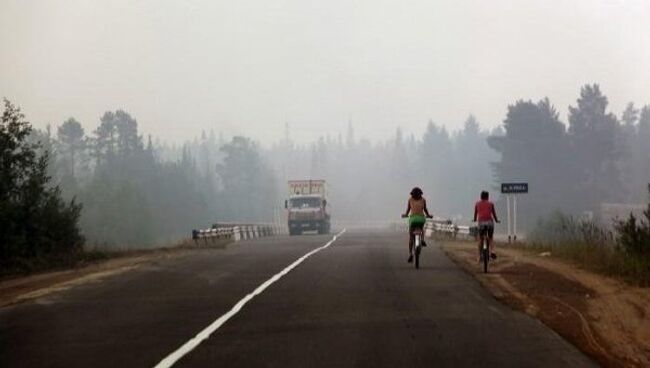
(302, 187)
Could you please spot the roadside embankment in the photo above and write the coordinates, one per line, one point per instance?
(606, 318)
(18, 288)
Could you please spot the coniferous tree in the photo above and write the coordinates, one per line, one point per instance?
(71, 139)
(595, 136)
(433, 165)
(641, 155)
(35, 222)
(247, 182)
(534, 149)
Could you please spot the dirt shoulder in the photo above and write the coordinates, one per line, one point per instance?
(22, 288)
(604, 317)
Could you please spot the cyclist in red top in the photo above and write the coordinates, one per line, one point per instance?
(486, 215)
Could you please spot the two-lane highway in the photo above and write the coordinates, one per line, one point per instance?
(354, 303)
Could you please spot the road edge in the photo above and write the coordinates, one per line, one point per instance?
(585, 335)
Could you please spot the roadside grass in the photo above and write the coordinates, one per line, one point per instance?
(608, 260)
(594, 247)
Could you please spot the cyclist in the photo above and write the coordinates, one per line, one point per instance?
(486, 215)
(417, 213)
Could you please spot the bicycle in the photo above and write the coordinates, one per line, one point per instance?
(485, 256)
(417, 246)
(418, 234)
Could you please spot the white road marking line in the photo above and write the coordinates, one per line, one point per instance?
(205, 334)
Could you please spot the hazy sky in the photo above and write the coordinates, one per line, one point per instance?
(246, 67)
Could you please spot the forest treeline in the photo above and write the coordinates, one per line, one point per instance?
(132, 197)
(596, 157)
(371, 181)
(127, 190)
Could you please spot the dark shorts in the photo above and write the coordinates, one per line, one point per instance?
(486, 229)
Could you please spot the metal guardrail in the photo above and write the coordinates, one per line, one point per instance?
(236, 232)
(448, 229)
(443, 227)
(239, 231)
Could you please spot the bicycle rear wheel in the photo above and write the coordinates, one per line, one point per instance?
(417, 256)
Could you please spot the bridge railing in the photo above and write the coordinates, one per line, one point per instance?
(443, 228)
(236, 232)
(448, 229)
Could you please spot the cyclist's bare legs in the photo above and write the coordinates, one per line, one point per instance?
(486, 233)
(490, 244)
(490, 235)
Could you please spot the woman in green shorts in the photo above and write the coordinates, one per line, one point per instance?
(417, 213)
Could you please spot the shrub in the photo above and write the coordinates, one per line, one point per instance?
(634, 235)
(626, 255)
(560, 228)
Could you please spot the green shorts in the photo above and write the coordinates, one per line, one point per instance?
(417, 221)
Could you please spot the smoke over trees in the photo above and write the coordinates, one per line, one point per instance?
(139, 192)
(371, 181)
(247, 183)
(574, 168)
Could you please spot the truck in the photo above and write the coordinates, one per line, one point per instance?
(307, 207)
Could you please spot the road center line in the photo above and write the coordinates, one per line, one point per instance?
(205, 333)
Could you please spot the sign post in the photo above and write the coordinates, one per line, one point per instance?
(511, 190)
(508, 210)
(514, 222)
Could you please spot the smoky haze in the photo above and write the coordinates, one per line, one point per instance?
(247, 67)
(166, 116)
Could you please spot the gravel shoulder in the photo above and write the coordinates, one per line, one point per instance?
(604, 317)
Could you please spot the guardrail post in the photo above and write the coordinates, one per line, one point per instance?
(237, 233)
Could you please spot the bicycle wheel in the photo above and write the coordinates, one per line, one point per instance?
(417, 256)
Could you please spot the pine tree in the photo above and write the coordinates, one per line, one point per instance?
(595, 135)
(35, 223)
(71, 139)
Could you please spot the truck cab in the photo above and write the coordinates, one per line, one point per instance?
(307, 208)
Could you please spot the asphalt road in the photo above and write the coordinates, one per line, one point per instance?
(356, 303)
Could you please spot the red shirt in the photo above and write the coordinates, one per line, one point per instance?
(484, 210)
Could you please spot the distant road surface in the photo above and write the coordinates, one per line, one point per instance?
(356, 303)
